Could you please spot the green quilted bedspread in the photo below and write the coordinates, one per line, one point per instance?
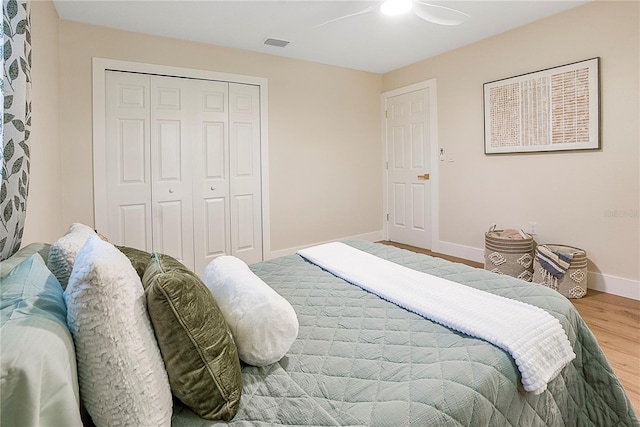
(362, 361)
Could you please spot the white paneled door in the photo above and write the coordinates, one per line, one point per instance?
(172, 136)
(129, 163)
(183, 167)
(211, 185)
(244, 168)
(408, 180)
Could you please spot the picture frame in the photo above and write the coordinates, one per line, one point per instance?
(555, 109)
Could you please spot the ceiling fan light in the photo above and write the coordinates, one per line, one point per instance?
(396, 7)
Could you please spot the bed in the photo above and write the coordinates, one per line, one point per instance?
(362, 361)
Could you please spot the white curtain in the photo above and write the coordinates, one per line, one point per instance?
(16, 122)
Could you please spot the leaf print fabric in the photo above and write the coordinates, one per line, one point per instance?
(15, 155)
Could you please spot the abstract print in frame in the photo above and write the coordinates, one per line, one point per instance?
(550, 110)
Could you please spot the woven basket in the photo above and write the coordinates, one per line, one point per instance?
(510, 256)
(573, 284)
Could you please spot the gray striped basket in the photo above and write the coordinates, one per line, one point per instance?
(573, 284)
(513, 257)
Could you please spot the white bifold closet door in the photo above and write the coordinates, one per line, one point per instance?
(183, 167)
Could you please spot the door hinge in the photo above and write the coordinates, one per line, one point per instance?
(386, 114)
(387, 165)
(387, 217)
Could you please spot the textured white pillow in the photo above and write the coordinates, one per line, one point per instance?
(263, 323)
(121, 374)
(63, 252)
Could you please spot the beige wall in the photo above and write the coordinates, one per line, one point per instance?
(324, 138)
(44, 204)
(324, 135)
(586, 199)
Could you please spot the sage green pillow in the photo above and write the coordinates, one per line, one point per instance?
(139, 258)
(198, 350)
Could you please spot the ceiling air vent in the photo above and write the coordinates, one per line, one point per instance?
(276, 42)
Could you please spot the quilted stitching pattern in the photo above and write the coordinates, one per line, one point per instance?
(365, 361)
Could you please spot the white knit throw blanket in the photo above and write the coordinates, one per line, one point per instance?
(533, 337)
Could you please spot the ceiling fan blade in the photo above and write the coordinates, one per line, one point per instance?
(439, 14)
(340, 18)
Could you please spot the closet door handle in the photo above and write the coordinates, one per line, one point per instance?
(171, 190)
(213, 189)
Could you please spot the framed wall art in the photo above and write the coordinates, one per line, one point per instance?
(549, 110)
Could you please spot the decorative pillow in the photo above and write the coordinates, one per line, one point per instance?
(195, 341)
(63, 252)
(38, 363)
(139, 258)
(120, 370)
(263, 324)
(25, 252)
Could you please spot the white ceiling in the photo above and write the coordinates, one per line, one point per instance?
(369, 42)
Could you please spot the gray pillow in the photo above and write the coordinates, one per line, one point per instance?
(198, 350)
(63, 251)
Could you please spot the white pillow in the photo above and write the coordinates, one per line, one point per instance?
(121, 374)
(63, 252)
(263, 323)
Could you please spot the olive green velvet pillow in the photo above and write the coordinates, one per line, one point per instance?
(139, 258)
(198, 350)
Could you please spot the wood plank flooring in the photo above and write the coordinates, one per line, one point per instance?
(615, 322)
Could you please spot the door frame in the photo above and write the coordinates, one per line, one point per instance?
(101, 65)
(430, 86)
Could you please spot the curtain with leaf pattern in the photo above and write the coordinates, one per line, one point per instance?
(16, 121)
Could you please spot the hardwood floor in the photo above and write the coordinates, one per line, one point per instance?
(615, 322)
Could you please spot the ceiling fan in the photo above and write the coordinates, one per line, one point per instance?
(436, 14)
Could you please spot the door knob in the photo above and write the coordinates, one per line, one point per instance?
(171, 190)
(213, 189)
(425, 176)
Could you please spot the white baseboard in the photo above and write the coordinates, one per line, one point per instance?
(598, 281)
(374, 236)
(614, 285)
(460, 251)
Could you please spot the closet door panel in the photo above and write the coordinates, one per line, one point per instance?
(171, 154)
(244, 145)
(245, 171)
(127, 158)
(215, 147)
(169, 233)
(132, 143)
(216, 234)
(211, 213)
(245, 229)
(133, 226)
